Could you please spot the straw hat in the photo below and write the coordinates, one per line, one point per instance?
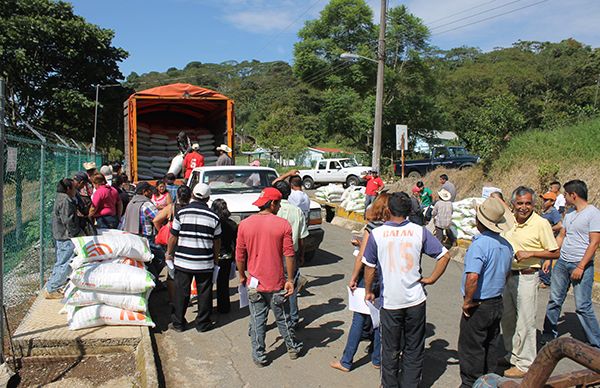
(492, 214)
(89, 166)
(224, 148)
(444, 195)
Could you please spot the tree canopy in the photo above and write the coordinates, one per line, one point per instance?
(51, 60)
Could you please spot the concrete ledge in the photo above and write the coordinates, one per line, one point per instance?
(43, 333)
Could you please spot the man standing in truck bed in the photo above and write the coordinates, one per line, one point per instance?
(192, 160)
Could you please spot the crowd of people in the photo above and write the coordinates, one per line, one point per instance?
(503, 266)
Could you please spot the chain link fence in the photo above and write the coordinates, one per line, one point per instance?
(32, 169)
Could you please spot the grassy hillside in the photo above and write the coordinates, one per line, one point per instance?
(561, 146)
(534, 158)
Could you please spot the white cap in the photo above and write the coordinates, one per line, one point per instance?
(201, 191)
(195, 146)
(106, 170)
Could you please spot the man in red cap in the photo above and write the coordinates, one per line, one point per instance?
(262, 240)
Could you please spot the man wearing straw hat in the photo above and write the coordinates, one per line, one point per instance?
(532, 240)
(487, 263)
(223, 159)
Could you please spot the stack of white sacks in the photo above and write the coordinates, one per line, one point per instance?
(156, 149)
(330, 193)
(109, 284)
(463, 217)
(353, 199)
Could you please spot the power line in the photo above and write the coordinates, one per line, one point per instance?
(475, 14)
(457, 13)
(489, 18)
(276, 35)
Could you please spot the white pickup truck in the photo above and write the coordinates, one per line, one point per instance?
(345, 170)
(240, 186)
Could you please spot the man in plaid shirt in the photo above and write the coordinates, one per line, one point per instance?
(138, 220)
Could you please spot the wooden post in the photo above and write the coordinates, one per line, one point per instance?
(402, 154)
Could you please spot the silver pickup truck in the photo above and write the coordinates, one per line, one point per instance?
(240, 186)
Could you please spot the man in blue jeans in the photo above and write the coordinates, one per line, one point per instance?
(65, 225)
(578, 240)
(263, 238)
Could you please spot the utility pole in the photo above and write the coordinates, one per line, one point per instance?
(95, 120)
(379, 93)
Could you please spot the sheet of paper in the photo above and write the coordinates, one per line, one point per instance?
(253, 282)
(356, 301)
(243, 290)
(232, 271)
(170, 264)
(215, 273)
(374, 311)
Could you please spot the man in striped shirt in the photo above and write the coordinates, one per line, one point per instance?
(194, 246)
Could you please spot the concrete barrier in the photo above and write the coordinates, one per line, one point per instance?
(43, 333)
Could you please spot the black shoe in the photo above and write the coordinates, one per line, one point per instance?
(176, 328)
(261, 364)
(205, 327)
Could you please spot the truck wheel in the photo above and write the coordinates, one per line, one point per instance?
(308, 183)
(414, 174)
(352, 180)
(466, 165)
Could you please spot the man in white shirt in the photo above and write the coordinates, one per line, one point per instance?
(395, 249)
(560, 202)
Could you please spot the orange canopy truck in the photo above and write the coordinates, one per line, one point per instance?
(154, 118)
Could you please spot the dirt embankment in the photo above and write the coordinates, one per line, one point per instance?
(469, 182)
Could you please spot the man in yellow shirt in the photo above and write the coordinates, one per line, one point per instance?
(532, 239)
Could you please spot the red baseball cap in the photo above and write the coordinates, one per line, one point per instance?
(268, 194)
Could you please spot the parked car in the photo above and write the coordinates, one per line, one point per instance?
(240, 186)
(343, 170)
(449, 157)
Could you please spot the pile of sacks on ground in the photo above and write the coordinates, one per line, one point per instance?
(330, 193)
(109, 284)
(463, 217)
(353, 199)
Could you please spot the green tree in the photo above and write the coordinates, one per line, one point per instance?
(343, 26)
(491, 125)
(51, 59)
(279, 132)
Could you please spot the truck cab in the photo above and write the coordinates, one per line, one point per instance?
(240, 186)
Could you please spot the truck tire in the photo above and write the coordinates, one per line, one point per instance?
(414, 174)
(466, 165)
(308, 183)
(352, 180)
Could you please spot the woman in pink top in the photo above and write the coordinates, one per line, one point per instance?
(163, 198)
(106, 206)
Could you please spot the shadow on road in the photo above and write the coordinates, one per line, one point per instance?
(437, 359)
(322, 258)
(317, 281)
(316, 311)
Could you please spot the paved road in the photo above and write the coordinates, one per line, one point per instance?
(222, 357)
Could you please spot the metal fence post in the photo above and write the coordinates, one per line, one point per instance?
(67, 164)
(42, 218)
(2, 220)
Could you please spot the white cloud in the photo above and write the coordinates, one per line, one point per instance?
(259, 21)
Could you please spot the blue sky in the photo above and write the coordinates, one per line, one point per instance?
(159, 34)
